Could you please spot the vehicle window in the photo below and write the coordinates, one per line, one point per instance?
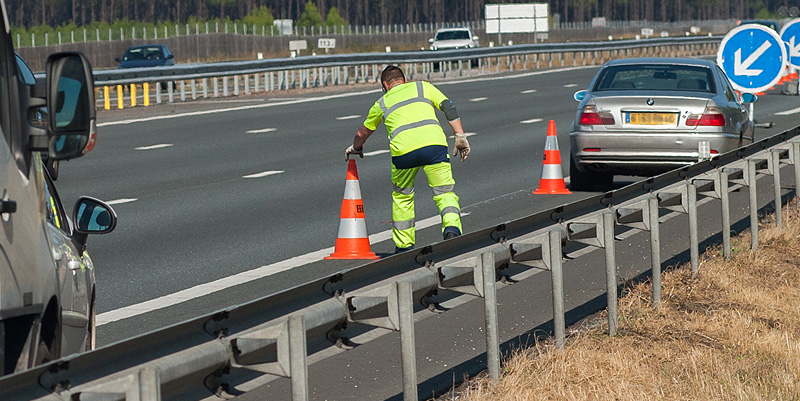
(134, 54)
(656, 77)
(55, 211)
(727, 88)
(452, 35)
(25, 73)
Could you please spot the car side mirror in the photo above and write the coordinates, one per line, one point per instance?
(430, 40)
(579, 95)
(475, 38)
(749, 98)
(118, 59)
(70, 105)
(170, 56)
(93, 216)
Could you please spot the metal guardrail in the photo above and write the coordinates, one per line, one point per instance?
(274, 335)
(309, 71)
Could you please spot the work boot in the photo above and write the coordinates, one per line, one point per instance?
(451, 232)
(401, 250)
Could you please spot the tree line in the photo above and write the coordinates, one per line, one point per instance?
(31, 13)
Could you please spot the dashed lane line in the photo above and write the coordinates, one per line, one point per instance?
(261, 131)
(121, 201)
(478, 99)
(788, 112)
(570, 85)
(531, 121)
(159, 146)
(350, 117)
(529, 91)
(377, 152)
(264, 174)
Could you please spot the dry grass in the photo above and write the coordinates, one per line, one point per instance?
(731, 333)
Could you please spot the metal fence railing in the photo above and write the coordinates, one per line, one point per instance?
(146, 86)
(197, 355)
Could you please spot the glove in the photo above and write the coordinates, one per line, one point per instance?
(461, 146)
(352, 151)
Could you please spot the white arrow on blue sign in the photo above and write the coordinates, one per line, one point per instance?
(790, 34)
(753, 56)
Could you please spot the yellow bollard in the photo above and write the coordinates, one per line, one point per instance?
(106, 98)
(133, 95)
(119, 97)
(146, 88)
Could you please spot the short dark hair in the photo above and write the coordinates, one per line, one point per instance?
(392, 73)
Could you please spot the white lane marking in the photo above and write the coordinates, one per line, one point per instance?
(788, 112)
(570, 85)
(529, 91)
(264, 174)
(159, 146)
(465, 134)
(377, 152)
(329, 97)
(531, 121)
(261, 131)
(240, 278)
(478, 99)
(350, 117)
(121, 201)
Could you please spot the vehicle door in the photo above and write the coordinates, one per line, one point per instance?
(734, 107)
(72, 273)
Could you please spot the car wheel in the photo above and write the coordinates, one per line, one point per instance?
(578, 180)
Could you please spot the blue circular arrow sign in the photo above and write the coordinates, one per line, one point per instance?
(790, 34)
(753, 56)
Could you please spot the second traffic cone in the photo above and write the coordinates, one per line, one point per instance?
(552, 181)
(352, 241)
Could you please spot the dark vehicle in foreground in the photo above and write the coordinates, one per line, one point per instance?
(647, 116)
(146, 56)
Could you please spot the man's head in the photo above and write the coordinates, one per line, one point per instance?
(391, 76)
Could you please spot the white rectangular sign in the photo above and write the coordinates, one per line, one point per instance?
(324, 43)
(517, 18)
(298, 45)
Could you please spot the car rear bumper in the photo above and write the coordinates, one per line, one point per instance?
(644, 154)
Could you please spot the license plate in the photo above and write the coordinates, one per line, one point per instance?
(651, 118)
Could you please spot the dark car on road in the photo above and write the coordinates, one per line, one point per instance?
(146, 56)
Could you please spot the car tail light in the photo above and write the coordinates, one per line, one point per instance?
(591, 149)
(712, 116)
(590, 116)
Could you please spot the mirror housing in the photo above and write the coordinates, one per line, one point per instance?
(93, 216)
(475, 38)
(749, 98)
(70, 104)
(579, 95)
(170, 56)
(118, 59)
(430, 40)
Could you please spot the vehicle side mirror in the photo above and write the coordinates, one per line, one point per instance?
(118, 59)
(475, 38)
(70, 105)
(170, 56)
(749, 98)
(430, 40)
(93, 216)
(579, 95)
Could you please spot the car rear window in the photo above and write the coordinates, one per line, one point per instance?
(655, 77)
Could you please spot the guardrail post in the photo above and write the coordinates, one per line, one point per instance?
(183, 91)
(557, 281)
(490, 305)
(107, 99)
(255, 83)
(205, 88)
(171, 91)
(268, 77)
(225, 86)
(774, 166)
(405, 305)
(298, 365)
(246, 84)
(146, 93)
(215, 86)
(751, 184)
(194, 89)
(694, 244)
(236, 85)
(149, 384)
(794, 157)
(655, 248)
(611, 272)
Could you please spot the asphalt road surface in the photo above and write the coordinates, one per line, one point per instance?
(224, 201)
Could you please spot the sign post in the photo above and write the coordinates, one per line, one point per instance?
(753, 57)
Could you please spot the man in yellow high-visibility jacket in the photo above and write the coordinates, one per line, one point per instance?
(416, 141)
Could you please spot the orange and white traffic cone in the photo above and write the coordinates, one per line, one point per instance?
(552, 181)
(352, 241)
